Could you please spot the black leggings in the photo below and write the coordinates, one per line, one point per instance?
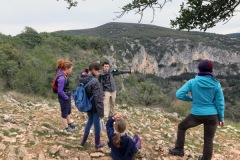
(210, 124)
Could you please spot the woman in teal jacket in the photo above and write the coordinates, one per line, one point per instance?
(207, 109)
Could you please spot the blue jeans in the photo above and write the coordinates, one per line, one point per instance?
(93, 118)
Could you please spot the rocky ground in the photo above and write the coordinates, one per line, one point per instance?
(30, 128)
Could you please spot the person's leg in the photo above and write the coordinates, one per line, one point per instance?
(64, 122)
(210, 126)
(189, 122)
(69, 117)
(64, 113)
(106, 103)
(89, 123)
(112, 103)
(87, 128)
(97, 130)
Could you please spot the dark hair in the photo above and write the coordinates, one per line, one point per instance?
(96, 66)
(64, 64)
(120, 126)
(104, 63)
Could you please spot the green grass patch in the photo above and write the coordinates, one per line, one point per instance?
(40, 133)
(30, 143)
(14, 130)
(16, 151)
(6, 133)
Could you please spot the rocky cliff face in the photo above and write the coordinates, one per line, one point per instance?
(165, 52)
(176, 63)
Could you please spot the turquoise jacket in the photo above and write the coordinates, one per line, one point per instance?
(206, 96)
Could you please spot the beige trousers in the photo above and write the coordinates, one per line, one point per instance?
(109, 103)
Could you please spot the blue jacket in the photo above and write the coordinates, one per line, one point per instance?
(127, 146)
(206, 96)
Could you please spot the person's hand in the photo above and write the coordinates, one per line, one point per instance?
(118, 115)
(221, 123)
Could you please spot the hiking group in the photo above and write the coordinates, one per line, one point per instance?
(204, 91)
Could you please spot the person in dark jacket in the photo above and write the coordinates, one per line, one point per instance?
(64, 94)
(207, 108)
(123, 147)
(97, 111)
(107, 82)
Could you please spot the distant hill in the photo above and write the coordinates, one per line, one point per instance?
(237, 35)
(120, 32)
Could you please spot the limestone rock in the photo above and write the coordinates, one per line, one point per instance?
(97, 154)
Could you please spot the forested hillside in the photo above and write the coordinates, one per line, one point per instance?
(28, 64)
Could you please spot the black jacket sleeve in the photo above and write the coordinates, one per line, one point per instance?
(98, 98)
(118, 72)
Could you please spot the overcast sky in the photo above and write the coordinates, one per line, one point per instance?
(52, 15)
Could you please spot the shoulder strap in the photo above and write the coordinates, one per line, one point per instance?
(59, 75)
(89, 82)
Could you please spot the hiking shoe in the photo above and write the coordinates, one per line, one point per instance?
(199, 157)
(69, 129)
(72, 125)
(176, 152)
(101, 144)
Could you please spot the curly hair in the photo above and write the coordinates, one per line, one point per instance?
(64, 64)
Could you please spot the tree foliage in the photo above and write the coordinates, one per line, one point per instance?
(193, 14)
(28, 60)
(30, 37)
(204, 14)
(141, 89)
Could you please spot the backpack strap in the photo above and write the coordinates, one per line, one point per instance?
(59, 75)
(87, 85)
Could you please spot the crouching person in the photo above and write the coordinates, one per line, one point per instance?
(123, 147)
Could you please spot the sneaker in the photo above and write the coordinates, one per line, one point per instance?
(69, 129)
(72, 125)
(176, 152)
(199, 157)
(101, 144)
